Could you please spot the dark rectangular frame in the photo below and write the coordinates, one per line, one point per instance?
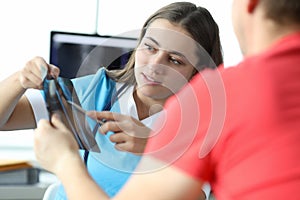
(78, 54)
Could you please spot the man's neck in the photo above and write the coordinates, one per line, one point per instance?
(266, 33)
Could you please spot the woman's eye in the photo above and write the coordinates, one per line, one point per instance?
(149, 47)
(175, 61)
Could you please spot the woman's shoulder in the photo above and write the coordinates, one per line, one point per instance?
(94, 84)
(92, 80)
(101, 73)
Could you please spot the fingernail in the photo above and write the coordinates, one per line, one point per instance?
(43, 72)
(100, 131)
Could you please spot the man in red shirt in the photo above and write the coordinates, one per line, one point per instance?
(236, 128)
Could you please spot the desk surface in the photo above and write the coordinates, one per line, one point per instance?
(19, 145)
(23, 192)
(27, 192)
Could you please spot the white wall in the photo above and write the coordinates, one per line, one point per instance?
(25, 33)
(130, 15)
(26, 26)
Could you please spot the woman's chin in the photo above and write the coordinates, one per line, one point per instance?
(156, 94)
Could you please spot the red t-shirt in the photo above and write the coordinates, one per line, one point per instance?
(239, 128)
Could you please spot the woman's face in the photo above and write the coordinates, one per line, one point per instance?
(164, 60)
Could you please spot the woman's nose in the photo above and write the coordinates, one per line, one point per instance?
(158, 58)
(157, 64)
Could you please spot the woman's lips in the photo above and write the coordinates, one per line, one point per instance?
(150, 80)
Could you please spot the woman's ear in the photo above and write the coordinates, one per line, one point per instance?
(252, 5)
(194, 73)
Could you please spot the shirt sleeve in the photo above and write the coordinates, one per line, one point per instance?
(37, 103)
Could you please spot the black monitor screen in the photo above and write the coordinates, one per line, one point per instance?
(82, 54)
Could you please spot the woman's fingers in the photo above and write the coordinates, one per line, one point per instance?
(109, 116)
(129, 133)
(119, 137)
(124, 142)
(30, 78)
(35, 71)
(53, 71)
(122, 147)
(110, 126)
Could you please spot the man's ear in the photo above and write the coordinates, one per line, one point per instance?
(252, 5)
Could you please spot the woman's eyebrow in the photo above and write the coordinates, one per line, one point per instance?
(171, 52)
(178, 54)
(153, 40)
